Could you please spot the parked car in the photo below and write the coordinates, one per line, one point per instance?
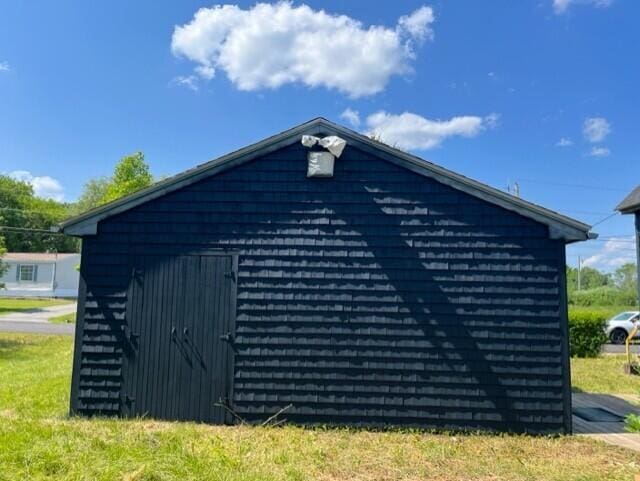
(620, 325)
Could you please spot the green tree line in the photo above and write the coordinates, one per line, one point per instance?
(27, 219)
(597, 288)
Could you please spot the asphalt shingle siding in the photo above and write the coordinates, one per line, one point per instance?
(378, 296)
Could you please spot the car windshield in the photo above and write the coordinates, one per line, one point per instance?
(624, 316)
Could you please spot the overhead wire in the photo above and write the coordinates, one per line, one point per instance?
(26, 230)
(566, 184)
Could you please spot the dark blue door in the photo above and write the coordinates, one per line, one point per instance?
(178, 361)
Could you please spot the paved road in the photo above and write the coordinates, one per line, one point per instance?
(36, 321)
(620, 349)
(37, 327)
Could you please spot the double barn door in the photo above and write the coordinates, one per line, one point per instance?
(178, 359)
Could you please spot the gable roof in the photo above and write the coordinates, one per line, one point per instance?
(631, 203)
(560, 226)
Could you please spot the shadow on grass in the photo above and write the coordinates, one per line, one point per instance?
(10, 347)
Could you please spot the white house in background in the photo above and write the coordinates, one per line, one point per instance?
(40, 275)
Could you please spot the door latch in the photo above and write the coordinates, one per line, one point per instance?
(130, 336)
(226, 337)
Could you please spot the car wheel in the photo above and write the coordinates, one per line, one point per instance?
(618, 336)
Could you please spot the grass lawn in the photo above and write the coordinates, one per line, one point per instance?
(603, 375)
(38, 441)
(64, 318)
(10, 304)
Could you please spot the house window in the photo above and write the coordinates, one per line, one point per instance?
(27, 273)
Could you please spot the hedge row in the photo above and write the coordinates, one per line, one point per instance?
(586, 331)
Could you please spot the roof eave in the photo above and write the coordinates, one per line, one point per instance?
(629, 209)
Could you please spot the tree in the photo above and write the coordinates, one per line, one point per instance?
(131, 174)
(590, 278)
(93, 195)
(625, 277)
(29, 218)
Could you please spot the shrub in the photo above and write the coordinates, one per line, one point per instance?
(586, 332)
(632, 423)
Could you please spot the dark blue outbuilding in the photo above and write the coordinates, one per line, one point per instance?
(391, 292)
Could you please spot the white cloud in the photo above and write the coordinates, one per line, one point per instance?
(270, 45)
(599, 152)
(418, 24)
(351, 116)
(564, 142)
(596, 129)
(43, 186)
(615, 252)
(561, 6)
(189, 81)
(492, 120)
(414, 132)
(4, 67)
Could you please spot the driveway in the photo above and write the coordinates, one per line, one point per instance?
(35, 321)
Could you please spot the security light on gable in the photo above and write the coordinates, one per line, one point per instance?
(321, 162)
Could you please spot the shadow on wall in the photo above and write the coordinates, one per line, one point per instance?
(463, 365)
(451, 366)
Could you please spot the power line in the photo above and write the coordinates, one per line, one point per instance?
(21, 210)
(579, 186)
(28, 211)
(606, 218)
(585, 212)
(26, 230)
(616, 236)
(613, 239)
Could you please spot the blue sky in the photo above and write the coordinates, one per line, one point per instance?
(543, 93)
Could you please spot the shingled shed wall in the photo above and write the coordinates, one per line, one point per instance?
(378, 296)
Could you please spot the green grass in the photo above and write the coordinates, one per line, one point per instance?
(603, 375)
(9, 304)
(39, 442)
(69, 318)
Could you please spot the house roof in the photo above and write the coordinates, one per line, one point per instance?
(35, 256)
(631, 203)
(560, 226)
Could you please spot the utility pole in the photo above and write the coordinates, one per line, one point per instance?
(579, 268)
